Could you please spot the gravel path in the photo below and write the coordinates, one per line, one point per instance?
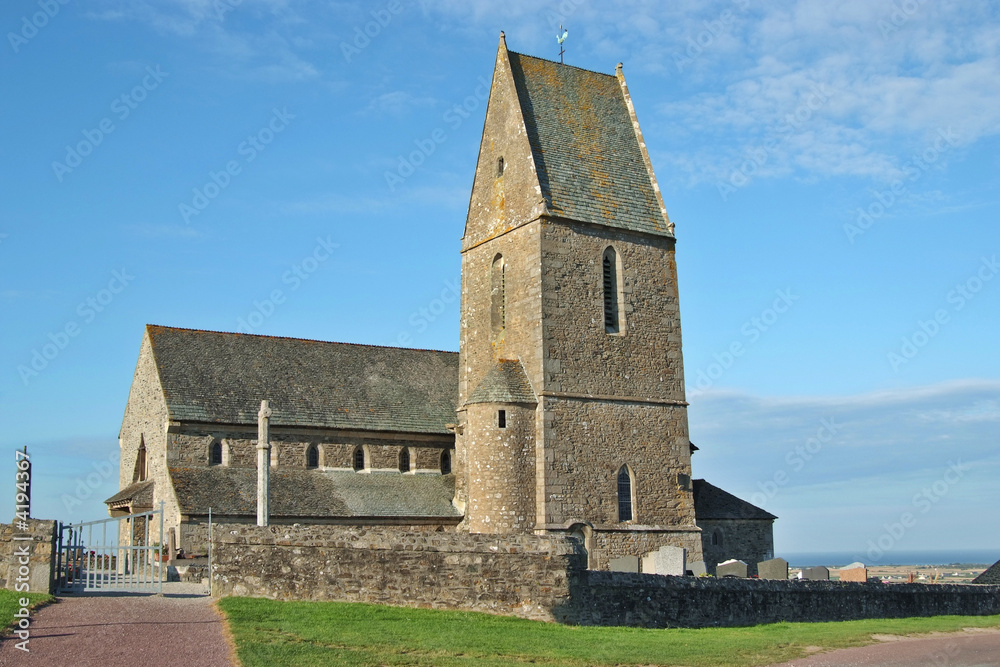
(180, 628)
(970, 648)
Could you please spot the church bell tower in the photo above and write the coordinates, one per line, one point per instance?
(572, 416)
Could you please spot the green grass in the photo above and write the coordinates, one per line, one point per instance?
(268, 633)
(10, 604)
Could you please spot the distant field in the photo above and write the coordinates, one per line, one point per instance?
(324, 633)
(9, 604)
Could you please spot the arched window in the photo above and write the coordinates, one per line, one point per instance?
(612, 307)
(624, 494)
(312, 456)
(716, 538)
(446, 462)
(404, 460)
(359, 458)
(500, 166)
(216, 457)
(498, 296)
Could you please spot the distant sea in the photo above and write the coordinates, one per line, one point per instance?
(892, 557)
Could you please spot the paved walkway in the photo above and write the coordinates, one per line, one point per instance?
(970, 648)
(180, 628)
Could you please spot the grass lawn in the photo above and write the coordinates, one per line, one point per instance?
(336, 633)
(10, 604)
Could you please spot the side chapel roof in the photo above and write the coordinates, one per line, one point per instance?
(319, 494)
(711, 502)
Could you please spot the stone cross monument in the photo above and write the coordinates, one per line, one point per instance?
(263, 462)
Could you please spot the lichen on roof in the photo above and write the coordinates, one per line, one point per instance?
(587, 155)
(505, 382)
(219, 377)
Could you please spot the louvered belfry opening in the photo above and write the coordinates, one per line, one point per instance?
(610, 265)
(624, 494)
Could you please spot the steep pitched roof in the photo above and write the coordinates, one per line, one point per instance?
(990, 576)
(506, 382)
(588, 158)
(711, 502)
(222, 377)
(315, 493)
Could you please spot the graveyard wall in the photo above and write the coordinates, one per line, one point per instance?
(652, 601)
(40, 547)
(542, 578)
(519, 575)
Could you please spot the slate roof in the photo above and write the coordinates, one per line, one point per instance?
(217, 377)
(711, 502)
(506, 382)
(586, 152)
(140, 494)
(315, 493)
(990, 576)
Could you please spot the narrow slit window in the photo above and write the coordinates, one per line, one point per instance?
(312, 457)
(446, 462)
(498, 293)
(500, 166)
(404, 460)
(624, 494)
(359, 458)
(216, 458)
(141, 463)
(612, 320)
(502, 418)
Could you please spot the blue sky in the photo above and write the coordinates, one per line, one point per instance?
(265, 165)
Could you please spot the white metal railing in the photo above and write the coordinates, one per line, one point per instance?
(112, 555)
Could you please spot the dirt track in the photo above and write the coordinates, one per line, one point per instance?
(180, 628)
(971, 648)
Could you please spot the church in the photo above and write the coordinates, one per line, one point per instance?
(563, 411)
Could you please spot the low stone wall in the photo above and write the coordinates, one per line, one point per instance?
(652, 601)
(542, 578)
(40, 549)
(520, 575)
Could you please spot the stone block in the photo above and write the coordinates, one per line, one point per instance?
(776, 568)
(818, 573)
(854, 573)
(731, 568)
(666, 560)
(624, 564)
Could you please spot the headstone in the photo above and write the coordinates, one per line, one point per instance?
(666, 560)
(776, 568)
(731, 568)
(624, 564)
(818, 573)
(698, 568)
(854, 572)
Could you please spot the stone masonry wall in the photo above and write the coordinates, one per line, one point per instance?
(543, 578)
(41, 553)
(750, 541)
(191, 446)
(610, 544)
(520, 575)
(652, 601)
(501, 469)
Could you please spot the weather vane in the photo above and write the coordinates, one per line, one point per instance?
(562, 38)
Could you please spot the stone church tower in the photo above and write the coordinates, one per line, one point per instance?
(571, 410)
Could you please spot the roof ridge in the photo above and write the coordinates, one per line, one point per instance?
(582, 69)
(305, 340)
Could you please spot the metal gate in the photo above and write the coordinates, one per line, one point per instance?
(114, 555)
